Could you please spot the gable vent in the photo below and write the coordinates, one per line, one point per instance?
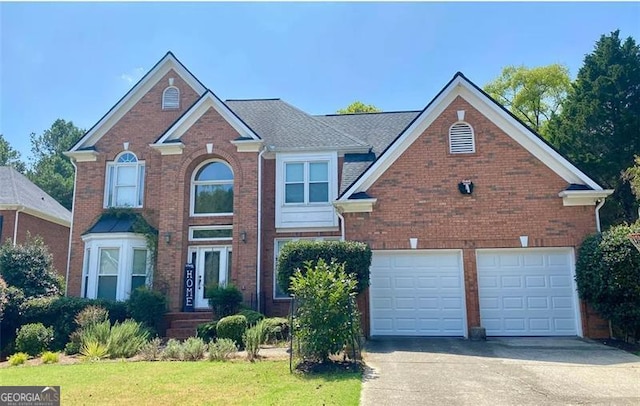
(461, 140)
(171, 98)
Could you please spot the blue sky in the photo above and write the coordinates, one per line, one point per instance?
(75, 60)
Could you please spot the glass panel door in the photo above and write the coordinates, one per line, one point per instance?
(213, 267)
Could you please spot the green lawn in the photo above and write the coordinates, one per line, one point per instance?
(194, 383)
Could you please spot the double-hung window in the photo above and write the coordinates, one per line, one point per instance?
(125, 182)
(306, 182)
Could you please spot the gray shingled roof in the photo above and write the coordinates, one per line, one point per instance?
(17, 190)
(290, 129)
(376, 129)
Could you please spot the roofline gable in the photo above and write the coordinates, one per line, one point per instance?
(206, 101)
(164, 65)
(459, 85)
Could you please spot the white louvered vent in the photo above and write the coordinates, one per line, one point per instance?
(461, 140)
(171, 98)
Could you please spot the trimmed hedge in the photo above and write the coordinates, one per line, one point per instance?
(608, 277)
(34, 338)
(148, 307)
(253, 317)
(232, 327)
(356, 257)
(207, 331)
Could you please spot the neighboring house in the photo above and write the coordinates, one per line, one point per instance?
(27, 209)
(473, 219)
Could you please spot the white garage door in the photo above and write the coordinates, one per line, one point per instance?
(527, 292)
(417, 293)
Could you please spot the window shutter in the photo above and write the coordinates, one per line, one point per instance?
(461, 140)
(171, 98)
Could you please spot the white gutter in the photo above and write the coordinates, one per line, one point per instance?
(259, 234)
(342, 231)
(73, 208)
(15, 225)
(598, 207)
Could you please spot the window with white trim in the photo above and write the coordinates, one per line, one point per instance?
(461, 139)
(124, 181)
(210, 233)
(121, 263)
(171, 98)
(306, 182)
(212, 190)
(278, 293)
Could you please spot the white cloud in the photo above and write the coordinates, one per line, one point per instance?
(133, 75)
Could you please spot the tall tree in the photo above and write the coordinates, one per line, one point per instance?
(533, 95)
(9, 156)
(52, 171)
(599, 126)
(359, 107)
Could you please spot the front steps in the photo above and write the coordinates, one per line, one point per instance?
(183, 325)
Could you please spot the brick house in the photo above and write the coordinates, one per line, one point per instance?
(27, 209)
(473, 218)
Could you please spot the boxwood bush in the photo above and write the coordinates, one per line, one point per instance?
(232, 327)
(356, 257)
(608, 277)
(148, 307)
(253, 317)
(224, 300)
(207, 331)
(34, 338)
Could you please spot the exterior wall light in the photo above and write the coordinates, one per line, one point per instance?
(243, 237)
(167, 237)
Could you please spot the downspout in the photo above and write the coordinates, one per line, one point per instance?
(342, 228)
(259, 236)
(73, 208)
(598, 207)
(15, 225)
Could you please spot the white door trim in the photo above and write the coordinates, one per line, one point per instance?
(200, 301)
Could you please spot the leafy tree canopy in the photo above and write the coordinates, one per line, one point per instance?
(359, 107)
(533, 95)
(52, 170)
(632, 175)
(9, 156)
(599, 125)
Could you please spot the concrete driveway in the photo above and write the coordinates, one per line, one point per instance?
(504, 371)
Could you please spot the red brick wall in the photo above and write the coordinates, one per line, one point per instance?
(515, 194)
(55, 236)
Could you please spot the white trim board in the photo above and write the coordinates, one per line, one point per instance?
(460, 86)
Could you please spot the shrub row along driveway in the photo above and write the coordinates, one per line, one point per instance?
(513, 371)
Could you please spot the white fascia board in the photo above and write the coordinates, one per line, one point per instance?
(135, 94)
(112, 236)
(339, 150)
(209, 100)
(248, 145)
(36, 213)
(82, 156)
(355, 205)
(419, 125)
(583, 197)
(173, 148)
(522, 135)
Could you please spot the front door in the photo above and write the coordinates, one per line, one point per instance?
(213, 267)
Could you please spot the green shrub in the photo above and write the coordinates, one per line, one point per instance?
(356, 257)
(34, 338)
(253, 338)
(193, 349)
(173, 350)
(126, 339)
(277, 329)
(252, 316)
(4, 296)
(18, 358)
(98, 332)
(74, 344)
(151, 351)
(29, 267)
(11, 319)
(326, 319)
(224, 300)
(222, 349)
(207, 331)
(91, 315)
(93, 351)
(49, 357)
(608, 277)
(232, 327)
(148, 307)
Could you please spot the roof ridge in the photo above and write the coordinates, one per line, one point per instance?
(256, 99)
(368, 113)
(352, 138)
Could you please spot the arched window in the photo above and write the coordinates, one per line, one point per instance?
(125, 181)
(212, 190)
(461, 139)
(171, 98)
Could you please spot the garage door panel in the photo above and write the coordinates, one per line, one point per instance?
(425, 294)
(542, 304)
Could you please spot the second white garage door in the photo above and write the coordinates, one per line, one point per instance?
(417, 293)
(527, 292)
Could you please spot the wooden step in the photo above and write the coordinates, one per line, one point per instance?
(169, 317)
